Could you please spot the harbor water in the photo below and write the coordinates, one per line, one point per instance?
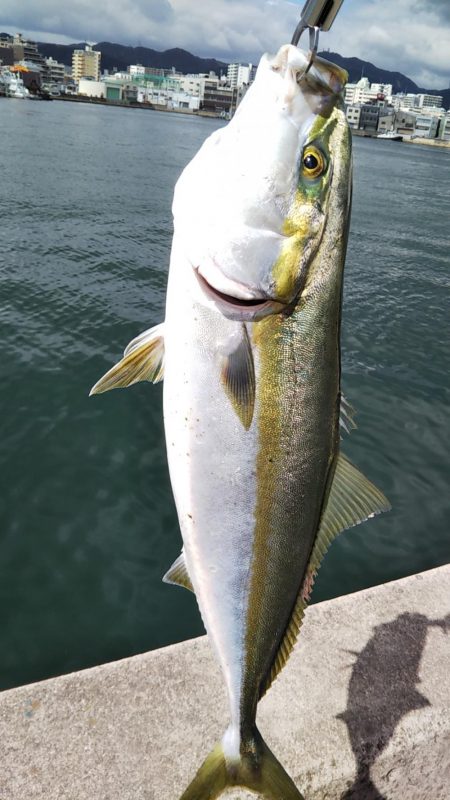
(88, 525)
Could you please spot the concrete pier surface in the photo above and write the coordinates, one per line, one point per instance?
(361, 711)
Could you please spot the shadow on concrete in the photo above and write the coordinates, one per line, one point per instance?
(382, 689)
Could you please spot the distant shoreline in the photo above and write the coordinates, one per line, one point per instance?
(214, 115)
(97, 101)
(406, 140)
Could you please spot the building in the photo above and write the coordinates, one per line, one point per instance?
(369, 117)
(386, 121)
(382, 88)
(162, 89)
(353, 114)
(169, 99)
(86, 64)
(218, 98)
(6, 56)
(427, 125)
(15, 49)
(405, 122)
(429, 100)
(113, 90)
(365, 92)
(89, 88)
(6, 50)
(195, 84)
(403, 101)
(136, 69)
(240, 74)
(54, 72)
(359, 93)
(444, 127)
(27, 51)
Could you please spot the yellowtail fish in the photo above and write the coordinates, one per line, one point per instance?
(250, 355)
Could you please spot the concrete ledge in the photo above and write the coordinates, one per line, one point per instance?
(361, 711)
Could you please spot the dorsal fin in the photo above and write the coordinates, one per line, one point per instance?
(352, 499)
(238, 377)
(143, 360)
(178, 574)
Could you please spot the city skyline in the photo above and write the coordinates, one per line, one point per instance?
(401, 38)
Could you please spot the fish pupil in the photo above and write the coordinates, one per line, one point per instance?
(310, 161)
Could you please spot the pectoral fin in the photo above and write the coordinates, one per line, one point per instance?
(352, 499)
(238, 377)
(143, 361)
(178, 574)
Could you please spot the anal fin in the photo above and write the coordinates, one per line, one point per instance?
(143, 361)
(352, 499)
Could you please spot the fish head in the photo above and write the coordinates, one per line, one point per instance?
(250, 207)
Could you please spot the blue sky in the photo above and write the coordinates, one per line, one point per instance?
(409, 36)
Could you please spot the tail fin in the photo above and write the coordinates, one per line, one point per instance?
(255, 768)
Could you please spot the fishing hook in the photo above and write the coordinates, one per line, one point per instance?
(313, 41)
(317, 15)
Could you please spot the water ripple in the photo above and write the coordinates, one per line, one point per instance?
(88, 521)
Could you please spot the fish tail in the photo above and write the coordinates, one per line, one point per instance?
(211, 779)
(253, 767)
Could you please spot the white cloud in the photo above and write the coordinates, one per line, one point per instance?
(409, 36)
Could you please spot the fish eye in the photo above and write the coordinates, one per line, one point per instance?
(313, 164)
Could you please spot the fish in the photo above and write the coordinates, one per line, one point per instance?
(250, 356)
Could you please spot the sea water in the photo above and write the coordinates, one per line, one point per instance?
(88, 524)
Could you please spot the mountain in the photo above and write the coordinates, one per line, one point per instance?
(121, 56)
(400, 83)
(357, 69)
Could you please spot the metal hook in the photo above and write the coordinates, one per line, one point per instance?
(313, 41)
(317, 15)
(314, 31)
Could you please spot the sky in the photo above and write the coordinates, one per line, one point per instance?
(408, 36)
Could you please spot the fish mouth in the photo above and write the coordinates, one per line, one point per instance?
(237, 308)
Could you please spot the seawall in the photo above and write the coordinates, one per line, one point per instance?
(361, 711)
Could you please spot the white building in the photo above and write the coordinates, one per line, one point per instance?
(90, 88)
(429, 100)
(353, 114)
(136, 69)
(404, 101)
(382, 88)
(365, 92)
(195, 84)
(427, 125)
(119, 76)
(54, 71)
(168, 98)
(240, 74)
(444, 127)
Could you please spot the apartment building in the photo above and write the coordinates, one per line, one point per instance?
(86, 64)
